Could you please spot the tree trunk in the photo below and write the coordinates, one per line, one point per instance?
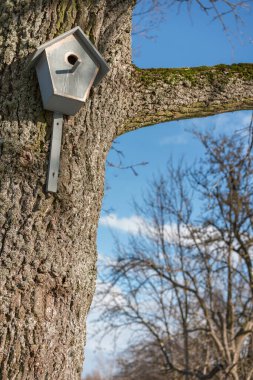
(48, 241)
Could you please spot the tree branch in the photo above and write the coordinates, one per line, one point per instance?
(160, 95)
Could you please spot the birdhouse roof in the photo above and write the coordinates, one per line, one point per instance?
(83, 39)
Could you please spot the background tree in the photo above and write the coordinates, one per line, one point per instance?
(184, 282)
(48, 241)
(216, 10)
(95, 376)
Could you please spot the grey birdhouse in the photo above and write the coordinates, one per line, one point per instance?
(67, 67)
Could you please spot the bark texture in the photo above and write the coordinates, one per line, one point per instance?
(171, 94)
(48, 242)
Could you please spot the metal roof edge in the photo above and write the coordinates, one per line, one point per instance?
(103, 66)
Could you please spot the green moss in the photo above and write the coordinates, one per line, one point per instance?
(40, 139)
(66, 15)
(191, 75)
(71, 12)
(61, 10)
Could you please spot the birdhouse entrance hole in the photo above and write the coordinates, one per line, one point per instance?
(72, 59)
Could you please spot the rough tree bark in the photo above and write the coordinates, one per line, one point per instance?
(48, 241)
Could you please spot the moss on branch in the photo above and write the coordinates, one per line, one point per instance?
(160, 95)
(193, 74)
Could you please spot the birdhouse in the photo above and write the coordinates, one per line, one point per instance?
(67, 67)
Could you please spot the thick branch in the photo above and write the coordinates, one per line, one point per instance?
(160, 95)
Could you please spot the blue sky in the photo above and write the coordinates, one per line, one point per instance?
(181, 40)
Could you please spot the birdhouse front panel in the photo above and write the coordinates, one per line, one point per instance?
(72, 70)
